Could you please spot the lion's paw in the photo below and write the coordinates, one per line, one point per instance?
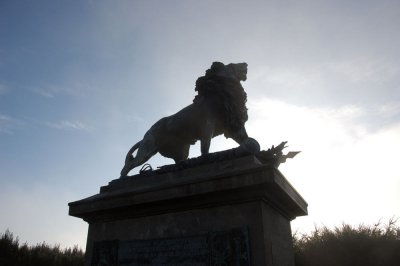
(250, 145)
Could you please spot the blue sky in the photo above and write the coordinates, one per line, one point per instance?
(81, 81)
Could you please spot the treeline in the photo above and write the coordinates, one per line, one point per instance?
(373, 245)
(12, 253)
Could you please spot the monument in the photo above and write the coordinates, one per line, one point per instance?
(231, 207)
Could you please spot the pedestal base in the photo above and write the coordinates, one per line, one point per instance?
(234, 212)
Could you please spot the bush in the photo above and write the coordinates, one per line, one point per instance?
(14, 254)
(349, 246)
(376, 245)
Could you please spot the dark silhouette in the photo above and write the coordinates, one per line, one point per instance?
(12, 253)
(349, 246)
(219, 108)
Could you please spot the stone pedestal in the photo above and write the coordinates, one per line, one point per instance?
(234, 212)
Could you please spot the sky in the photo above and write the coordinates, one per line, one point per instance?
(82, 81)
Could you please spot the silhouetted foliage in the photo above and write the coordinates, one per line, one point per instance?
(14, 254)
(374, 245)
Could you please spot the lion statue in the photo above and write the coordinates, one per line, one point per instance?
(218, 108)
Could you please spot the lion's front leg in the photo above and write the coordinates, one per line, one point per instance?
(240, 136)
(206, 137)
(207, 134)
(205, 145)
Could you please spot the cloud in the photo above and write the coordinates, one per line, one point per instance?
(285, 77)
(273, 118)
(5, 124)
(68, 125)
(76, 89)
(345, 171)
(48, 93)
(369, 83)
(389, 110)
(365, 69)
(8, 124)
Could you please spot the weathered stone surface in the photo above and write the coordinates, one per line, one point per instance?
(195, 201)
(215, 248)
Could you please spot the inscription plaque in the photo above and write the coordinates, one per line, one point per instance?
(215, 248)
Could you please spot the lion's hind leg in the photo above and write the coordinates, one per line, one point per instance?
(182, 155)
(175, 150)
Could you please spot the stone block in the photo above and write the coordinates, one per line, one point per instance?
(233, 212)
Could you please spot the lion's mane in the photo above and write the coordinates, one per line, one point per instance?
(221, 85)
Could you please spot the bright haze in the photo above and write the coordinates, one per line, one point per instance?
(82, 81)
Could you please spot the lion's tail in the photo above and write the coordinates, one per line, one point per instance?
(129, 156)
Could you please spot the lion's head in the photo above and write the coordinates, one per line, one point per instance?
(236, 71)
